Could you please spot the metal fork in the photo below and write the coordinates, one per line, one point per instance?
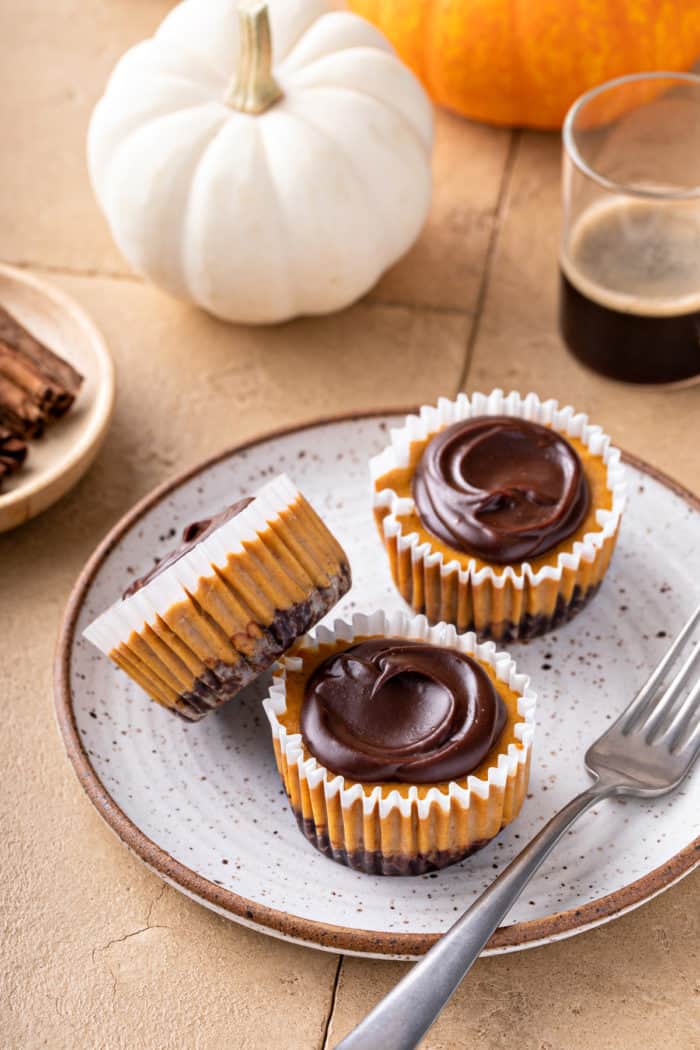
(646, 752)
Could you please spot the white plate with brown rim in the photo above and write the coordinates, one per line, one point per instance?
(202, 804)
(59, 459)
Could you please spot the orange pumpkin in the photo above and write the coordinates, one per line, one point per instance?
(523, 62)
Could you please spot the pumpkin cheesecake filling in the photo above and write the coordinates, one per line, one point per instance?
(221, 608)
(400, 755)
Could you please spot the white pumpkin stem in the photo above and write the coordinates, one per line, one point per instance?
(254, 88)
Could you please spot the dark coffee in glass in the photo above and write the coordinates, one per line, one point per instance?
(629, 304)
(630, 291)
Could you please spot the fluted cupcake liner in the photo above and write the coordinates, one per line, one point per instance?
(197, 633)
(502, 602)
(408, 829)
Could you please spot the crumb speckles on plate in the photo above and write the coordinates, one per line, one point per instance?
(209, 796)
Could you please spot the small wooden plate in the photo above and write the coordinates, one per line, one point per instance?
(59, 459)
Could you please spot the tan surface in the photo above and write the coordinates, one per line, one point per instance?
(96, 951)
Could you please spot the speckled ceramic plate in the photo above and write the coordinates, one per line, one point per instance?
(60, 458)
(202, 804)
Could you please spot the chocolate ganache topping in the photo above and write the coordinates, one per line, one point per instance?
(499, 487)
(396, 709)
(192, 534)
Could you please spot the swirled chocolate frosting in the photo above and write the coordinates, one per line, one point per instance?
(396, 709)
(499, 487)
(192, 534)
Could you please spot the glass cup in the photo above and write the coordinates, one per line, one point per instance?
(629, 303)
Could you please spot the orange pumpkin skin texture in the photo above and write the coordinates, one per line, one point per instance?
(523, 62)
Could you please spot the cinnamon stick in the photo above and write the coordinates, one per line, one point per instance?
(18, 412)
(50, 397)
(13, 453)
(16, 336)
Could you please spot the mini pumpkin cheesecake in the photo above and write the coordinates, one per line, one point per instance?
(222, 607)
(402, 747)
(498, 514)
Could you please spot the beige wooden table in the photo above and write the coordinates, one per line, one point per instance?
(96, 951)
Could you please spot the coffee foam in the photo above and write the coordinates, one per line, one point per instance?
(636, 256)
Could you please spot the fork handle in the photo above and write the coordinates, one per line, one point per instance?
(403, 1017)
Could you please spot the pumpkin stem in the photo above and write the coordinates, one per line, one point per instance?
(253, 88)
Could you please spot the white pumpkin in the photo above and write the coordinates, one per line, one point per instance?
(284, 186)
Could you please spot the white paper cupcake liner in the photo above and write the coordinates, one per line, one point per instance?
(400, 832)
(202, 629)
(182, 578)
(497, 601)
